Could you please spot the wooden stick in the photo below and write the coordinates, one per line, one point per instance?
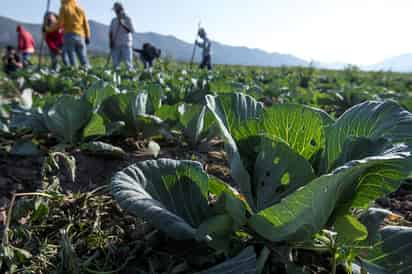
(43, 37)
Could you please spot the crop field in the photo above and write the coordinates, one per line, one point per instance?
(240, 170)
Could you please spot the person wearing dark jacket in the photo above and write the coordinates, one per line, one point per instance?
(11, 61)
(148, 54)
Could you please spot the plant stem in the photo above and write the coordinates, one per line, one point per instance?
(5, 241)
(128, 259)
(334, 266)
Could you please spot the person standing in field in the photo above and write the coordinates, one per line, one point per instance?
(72, 19)
(26, 45)
(206, 46)
(121, 38)
(54, 40)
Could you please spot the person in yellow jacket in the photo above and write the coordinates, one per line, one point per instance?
(73, 20)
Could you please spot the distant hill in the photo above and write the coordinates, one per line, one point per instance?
(170, 45)
(401, 63)
(331, 66)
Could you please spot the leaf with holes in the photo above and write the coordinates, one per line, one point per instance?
(301, 127)
(270, 153)
(307, 210)
(279, 171)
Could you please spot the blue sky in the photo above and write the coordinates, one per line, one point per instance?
(355, 31)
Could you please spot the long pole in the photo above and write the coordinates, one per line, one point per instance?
(195, 46)
(43, 36)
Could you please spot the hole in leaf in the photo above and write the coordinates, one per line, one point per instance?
(285, 179)
(313, 142)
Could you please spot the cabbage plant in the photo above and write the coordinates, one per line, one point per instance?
(302, 171)
(102, 111)
(176, 197)
(302, 176)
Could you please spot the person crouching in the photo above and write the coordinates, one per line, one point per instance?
(12, 61)
(148, 54)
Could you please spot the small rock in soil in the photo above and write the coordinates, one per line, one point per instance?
(396, 204)
(4, 203)
(408, 197)
(407, 205)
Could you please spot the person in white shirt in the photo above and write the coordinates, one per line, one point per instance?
(121, 38)
(206, 45)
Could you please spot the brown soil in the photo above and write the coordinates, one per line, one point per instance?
(23, 174)
(18, 174)
(400, 202)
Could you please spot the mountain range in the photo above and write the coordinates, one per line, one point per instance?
(182, 51)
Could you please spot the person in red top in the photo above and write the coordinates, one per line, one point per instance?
(26, 44)
(54, 40)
